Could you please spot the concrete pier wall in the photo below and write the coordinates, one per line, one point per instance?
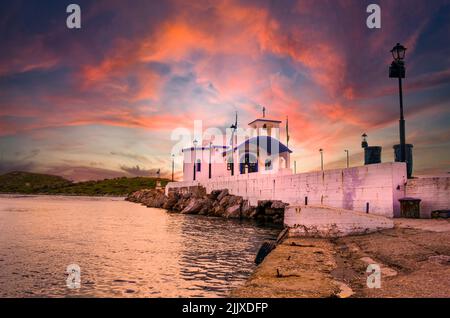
(379, 186)
(433, 191)
(323, 221)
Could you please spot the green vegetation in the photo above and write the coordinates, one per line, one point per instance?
(34, 183)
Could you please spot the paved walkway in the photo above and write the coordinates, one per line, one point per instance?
(433, 225)
(414, 258)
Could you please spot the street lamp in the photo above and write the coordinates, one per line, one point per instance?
(321, 158)
(364, 143)
(397, 70)
(195, 156)
(173, 166)
(348, 163)
(210, 172)
(398, 52)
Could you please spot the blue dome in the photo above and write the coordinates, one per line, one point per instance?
(265, 142)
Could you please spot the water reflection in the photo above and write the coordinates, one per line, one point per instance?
(123, 249)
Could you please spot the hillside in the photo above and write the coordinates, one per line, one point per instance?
(35, 183)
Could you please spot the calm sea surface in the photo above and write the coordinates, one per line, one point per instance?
(123, 249)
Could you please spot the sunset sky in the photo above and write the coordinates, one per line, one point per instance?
(102, 101)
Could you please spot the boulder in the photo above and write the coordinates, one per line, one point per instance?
(253, 214)
(214, 194)
(194, 206)
(150, 198)
(247, 209)
(270, 211)
(218, 210)
(234, 200)
(186, 195)
(171, 201)
(278, 205)
(277, 219)
(194, 200)
(223, 193)
(207, 206)
(197, 191)
(224, 201)
(264, 204)
(233, 212)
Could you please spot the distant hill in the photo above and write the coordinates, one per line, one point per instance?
(36, 183)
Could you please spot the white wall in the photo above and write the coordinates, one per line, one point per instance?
(218, 164)
(321, 221)
(380, 185)
(433, 191)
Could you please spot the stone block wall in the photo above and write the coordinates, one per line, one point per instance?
(433, 191)
(377, 186)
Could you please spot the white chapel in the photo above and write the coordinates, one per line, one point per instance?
(260, 153)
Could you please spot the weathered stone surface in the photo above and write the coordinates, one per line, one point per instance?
(270, 211)
(218, 210)
(278, 205)
(171, 201)
(247, 210)
(222, 194)
(264, 204)
(207, 206)
(214, 194)
(193, 207)
(233, 212)
(224, 201)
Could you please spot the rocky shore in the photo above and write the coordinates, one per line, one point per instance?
(219, 203)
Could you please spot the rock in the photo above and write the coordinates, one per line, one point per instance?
(171, 201)
(193, 207)
(186, 195)
(150, 198)
(222, 194)
(247, 209)
(253, 214)
(278, 220)
(270, 211)
(207, 207)
(194, 200)
(264, 204)
(218, 211)
(214, 194)
(278, 205)
(230, 200)
(224, 201)
(233, 212)
(197, 191)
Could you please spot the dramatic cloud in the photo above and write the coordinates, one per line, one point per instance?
(103, 100)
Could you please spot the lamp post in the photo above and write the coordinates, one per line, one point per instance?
(348, 162)
(210, 170)
(195, 156)
(321, 158)
(397, 70)
(364, 143)
(173, 166)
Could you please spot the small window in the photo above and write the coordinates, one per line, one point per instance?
(199, 165)
(268, 164)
